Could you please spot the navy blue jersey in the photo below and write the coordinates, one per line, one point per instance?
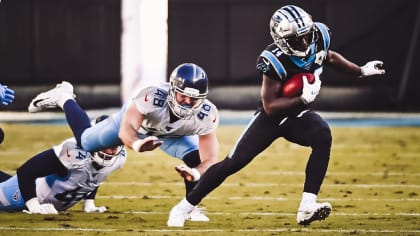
(279, 66)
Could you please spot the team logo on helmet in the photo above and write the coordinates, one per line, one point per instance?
(292, 29)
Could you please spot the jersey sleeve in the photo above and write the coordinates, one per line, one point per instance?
(209, 116)
(70, 155)
(150, 98)
(268, 62)
(324, 33)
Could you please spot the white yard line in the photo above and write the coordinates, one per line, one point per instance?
(263, 185)
(256, 198)
(280, 213)
(261, 230)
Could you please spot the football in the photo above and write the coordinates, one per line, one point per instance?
(293, 86)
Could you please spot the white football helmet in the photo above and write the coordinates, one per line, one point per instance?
(189, 80)
(106, 157)
(292, 30)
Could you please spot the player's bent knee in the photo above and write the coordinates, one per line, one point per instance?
(322, 138)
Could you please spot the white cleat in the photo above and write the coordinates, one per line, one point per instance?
(49, 98)
(198, 214)
(311, 212)
(177, 217)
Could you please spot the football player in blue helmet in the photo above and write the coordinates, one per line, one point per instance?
(106, 157)
(174, 116)
(58, 178)
(187, 81)
(300, 46)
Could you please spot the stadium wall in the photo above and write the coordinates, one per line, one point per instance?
(45, 42)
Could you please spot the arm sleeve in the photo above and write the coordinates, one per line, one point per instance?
(43, 164)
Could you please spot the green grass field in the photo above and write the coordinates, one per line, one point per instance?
(373, 183)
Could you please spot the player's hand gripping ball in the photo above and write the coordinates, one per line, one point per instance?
(293, 86)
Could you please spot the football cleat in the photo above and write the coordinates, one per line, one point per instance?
(311, 212)
(177, 217)
(49, 99)
(198, 214)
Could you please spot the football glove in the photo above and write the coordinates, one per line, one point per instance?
(310, 91)
(146, 144)
(372, 68)
(89, 206)
(190, 174)
(34, 207)
(6, 95)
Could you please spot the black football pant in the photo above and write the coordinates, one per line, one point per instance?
(307, 129)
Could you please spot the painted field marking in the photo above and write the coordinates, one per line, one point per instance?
(168, 230)
(257, 198)
(267, 185)
(280, 213)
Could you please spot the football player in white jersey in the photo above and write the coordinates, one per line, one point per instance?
(58, 178)
(174, 116)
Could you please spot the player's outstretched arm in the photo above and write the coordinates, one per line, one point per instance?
(130, 123)
(372, 68)
(339, 62)
(208, 149)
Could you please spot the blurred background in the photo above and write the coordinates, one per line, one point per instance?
(108, 48)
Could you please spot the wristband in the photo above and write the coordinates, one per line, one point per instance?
(196, 174)
(136, 145)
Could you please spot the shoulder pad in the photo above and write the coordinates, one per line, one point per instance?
(324, 33)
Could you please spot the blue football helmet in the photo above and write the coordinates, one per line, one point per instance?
(106, 157)
(189, 80)
(292, 30)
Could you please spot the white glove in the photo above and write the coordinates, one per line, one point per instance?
(372, 68)
(190, 174)
(34, 207)
(147, 144)
(7, 95)
(89, 206)
(310, 91)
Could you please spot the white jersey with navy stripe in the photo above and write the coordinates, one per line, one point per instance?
(82, 178)
(152, 103)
